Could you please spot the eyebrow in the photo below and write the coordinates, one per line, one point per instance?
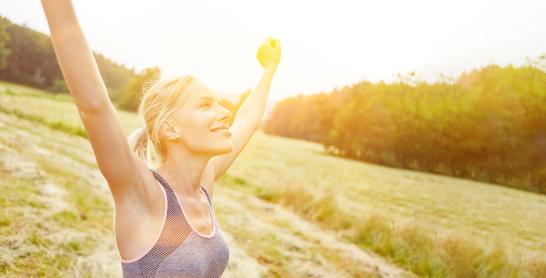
(207, 97)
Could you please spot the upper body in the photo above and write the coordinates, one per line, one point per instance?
(181, 250)
(181, 118)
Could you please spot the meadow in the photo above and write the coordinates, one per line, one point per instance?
(287, 208)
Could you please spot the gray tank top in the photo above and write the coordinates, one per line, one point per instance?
(180, 250)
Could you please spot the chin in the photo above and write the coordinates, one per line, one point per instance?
(223, 150)
(227, 150)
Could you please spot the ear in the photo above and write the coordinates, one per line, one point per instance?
(170, 131)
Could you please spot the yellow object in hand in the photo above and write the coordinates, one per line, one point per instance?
(269, 53)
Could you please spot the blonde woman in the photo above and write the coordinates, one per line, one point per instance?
(164, 219)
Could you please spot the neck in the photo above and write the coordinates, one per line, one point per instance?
(183, 171)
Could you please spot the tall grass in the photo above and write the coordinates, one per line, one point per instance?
(426, 251)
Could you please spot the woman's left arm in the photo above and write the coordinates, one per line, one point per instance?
(248, 116)
(252, 109)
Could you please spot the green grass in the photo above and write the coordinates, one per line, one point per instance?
(22, 90)
(29, 234)
(68, 231)
(456, 225)
(56, 111)
(51, 220)
(433, 225)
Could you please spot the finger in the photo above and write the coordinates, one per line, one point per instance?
(278, 43)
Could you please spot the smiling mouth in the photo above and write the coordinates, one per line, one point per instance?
(222, 130)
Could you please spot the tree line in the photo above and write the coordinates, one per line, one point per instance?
(27, 57)
(488, 124)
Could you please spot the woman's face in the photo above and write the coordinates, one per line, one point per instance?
(194, 122)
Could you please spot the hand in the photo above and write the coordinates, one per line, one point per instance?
(269, 53)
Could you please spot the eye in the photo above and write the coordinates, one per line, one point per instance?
(205, 104)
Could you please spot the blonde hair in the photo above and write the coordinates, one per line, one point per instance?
(159, 101)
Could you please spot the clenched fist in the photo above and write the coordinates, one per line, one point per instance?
(269, 53)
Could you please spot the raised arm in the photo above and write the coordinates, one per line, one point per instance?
(247, 118)
(77, 63)
(115, 159)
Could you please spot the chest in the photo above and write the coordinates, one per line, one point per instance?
(198, 214)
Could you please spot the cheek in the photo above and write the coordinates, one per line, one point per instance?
(193, 122)
(197, 129)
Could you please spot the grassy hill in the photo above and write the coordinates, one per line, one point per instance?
(286, 208)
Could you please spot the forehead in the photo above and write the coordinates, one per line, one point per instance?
(200, 92)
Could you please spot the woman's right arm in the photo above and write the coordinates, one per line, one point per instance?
(117, 163)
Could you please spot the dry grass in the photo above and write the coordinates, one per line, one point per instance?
(432, 225)
(58, 216)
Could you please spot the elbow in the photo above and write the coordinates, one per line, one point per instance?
(90, 98)
(92, 107)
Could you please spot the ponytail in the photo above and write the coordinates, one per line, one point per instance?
(159, 101)
(138, 141)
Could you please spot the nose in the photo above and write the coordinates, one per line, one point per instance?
(226, 114)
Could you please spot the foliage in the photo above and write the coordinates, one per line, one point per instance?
(30, 60)
(4, 39)
(131, 94)
(489, 125)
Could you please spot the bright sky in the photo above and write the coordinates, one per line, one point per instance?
(325, 44)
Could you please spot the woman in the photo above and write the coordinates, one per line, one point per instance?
(164, 220)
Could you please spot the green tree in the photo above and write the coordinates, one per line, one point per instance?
(131, 94)
(4, 40)
(488, 125)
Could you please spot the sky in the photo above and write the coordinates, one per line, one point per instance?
(325, 44)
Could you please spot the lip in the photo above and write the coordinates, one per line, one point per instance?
(223, 130)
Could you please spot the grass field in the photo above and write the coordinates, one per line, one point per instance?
(287, 209)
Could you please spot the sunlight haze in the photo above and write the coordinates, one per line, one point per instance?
(325, 44)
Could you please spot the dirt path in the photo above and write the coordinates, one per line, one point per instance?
(308, 251)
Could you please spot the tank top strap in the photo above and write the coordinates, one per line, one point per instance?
(174, 233)
(207, 194)
(174, 202)
(174, 209)
(159, 178)
(211, 208)
(170, 192)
